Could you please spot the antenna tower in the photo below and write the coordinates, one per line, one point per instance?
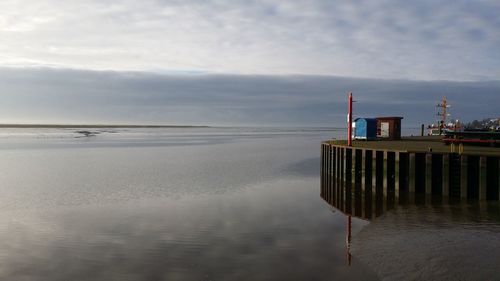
(442, 112)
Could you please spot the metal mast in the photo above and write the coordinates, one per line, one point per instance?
(443, 113)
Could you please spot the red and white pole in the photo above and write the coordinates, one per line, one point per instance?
(349, 121)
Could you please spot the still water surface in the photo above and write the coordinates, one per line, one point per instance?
(213, 204)
(169, 204)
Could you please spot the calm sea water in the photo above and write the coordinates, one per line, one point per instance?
(433, 241)
(169, 204)
(214, 204)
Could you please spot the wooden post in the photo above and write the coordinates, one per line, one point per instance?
(411, 172)
(339, 175)
(358, 182)
(403, 177)
(331, 195)
(368, 180)
(363, 170)
(328, 169)
(391, 179)
(363, 182)
(384, 171)
(446, 175)
(397, 166)
(482, 178)
(463, 176)
(348, 180)
(322, 169)
(428, 173)
(334, 182)
(374, 173)
(498, 198)
(385, 185)
(342, 176)
(325, 171)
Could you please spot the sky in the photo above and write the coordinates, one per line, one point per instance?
(246, 62)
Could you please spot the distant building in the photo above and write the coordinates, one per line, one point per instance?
(389, 127)
(365, 128)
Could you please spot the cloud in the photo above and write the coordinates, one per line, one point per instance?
(427, 40)
(48, 95)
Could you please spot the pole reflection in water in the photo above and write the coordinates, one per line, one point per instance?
(412, 236)
(348, 240)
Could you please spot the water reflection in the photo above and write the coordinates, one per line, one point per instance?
(266, 233)
(418, 237)
(132, 207)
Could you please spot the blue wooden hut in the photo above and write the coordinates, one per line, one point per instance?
(365, 128)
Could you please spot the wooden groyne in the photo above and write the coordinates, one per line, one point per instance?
(385, 171)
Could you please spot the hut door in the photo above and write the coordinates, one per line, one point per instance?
(384, 129)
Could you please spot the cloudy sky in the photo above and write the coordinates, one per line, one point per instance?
(245, 62)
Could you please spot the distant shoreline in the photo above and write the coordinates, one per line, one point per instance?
(64, 126)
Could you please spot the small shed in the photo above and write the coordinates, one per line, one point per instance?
(389, 127)
(365, 128)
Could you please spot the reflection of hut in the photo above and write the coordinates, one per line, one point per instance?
(365, 128)
(389, 127)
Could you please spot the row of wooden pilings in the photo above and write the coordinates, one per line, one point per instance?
(368, 174)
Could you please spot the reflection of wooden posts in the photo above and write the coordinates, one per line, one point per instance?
(348, 240)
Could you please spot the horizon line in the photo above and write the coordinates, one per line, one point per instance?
(34, 125)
